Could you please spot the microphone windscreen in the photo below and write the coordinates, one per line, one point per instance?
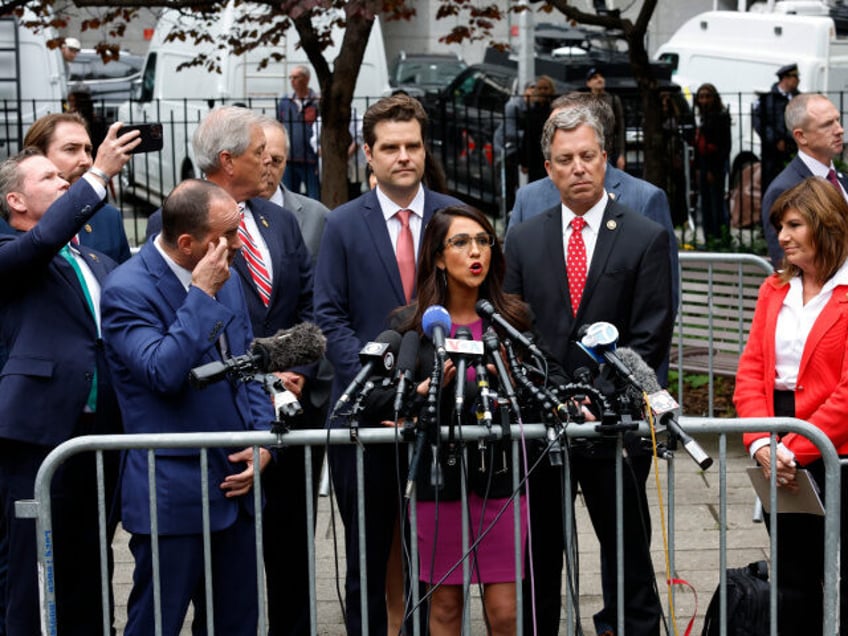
(435, 316)
(644, 374)
(484, 308)
(408, 355)
(302, 344)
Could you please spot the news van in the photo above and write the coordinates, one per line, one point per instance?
(179, 99)
(739, 52)
(32, 80)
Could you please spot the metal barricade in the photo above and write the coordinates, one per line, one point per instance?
(40, 507)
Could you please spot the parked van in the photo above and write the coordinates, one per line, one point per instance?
(180, 99)
(32, 80)
(740, 53)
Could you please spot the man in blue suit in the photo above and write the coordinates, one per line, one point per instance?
(231, 149)
(174, 307)
(54, 384)
(358, 283)
(814, 122)
(637, 194)
(63, 138)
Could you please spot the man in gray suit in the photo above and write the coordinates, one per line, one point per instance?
(638, 195)
(815, 124)
(310, 214)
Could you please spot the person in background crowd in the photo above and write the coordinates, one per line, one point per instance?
(299, 113)
(585, 260)
(54, 384)
(173, 307)
(538, 110)
(365, 270)
(79, 101)
(777, 142)
(64, 140)
(615, 141)
(712, 151)
(310, 214)
(793, 365)
(70, 48)
(815, 124)
(509, 136)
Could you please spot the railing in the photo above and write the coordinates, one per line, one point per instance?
(40, 507)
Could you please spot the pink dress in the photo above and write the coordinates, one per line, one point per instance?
(440, 531)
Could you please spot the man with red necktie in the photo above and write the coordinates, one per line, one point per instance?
(590, 259)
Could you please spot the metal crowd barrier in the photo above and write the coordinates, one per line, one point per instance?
(40, 507)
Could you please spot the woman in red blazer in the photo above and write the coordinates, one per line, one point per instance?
(796, 365)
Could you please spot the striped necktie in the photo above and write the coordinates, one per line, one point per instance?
(255, 262)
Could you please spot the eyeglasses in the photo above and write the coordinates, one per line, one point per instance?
(460, 242)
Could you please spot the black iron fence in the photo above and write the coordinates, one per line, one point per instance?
(467, 140)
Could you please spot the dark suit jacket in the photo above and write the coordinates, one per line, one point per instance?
(311, 216)
(155, 333)
(357, 282)
(793, 174)
(47, 327)
(103, 232)
(628, 283)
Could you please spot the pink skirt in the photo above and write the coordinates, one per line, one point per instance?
(440, 546)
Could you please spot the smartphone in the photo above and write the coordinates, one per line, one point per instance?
(151, 136)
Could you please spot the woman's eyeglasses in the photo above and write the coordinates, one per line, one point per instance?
(460, 242)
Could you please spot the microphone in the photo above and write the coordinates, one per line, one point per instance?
(462, 349)
(435, 323)
(377, 358)
(599, 340)
(663, 405)
(485, 309)
(493, 347)
(407, 359)
(302, 344)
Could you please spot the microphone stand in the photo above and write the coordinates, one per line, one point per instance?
(428, 427)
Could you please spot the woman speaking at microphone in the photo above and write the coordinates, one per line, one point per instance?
(460, 263)
(795, 365)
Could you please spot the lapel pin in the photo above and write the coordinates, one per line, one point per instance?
(87, 228)
(93, 256)
(264, 221)
(611, 224)
(612, 195)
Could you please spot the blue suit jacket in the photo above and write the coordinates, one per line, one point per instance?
(793, 174)
(357, 282)
(103, 232)
(48, 330)
(636, 194)
(155, 333)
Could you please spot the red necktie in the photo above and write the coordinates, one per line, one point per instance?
(575, 262)
(831, 176)
(405, 250)
(255, 263)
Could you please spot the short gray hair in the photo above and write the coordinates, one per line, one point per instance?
(796, 115)
(269, 122)
(11, 177)
(224, 128)
(569, 119)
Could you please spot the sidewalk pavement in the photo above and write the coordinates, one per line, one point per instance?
(696, 545)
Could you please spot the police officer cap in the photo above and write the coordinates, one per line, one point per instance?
(783, 71)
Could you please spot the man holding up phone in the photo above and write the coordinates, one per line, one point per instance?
(63, 138)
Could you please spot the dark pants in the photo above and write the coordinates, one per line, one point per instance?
(234, 593)
(800, 554)
(285, 536)
(381, 511)
(301, 172)
(75, 541)
(593, 468)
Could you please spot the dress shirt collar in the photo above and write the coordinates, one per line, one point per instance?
(814, 165)
(390, 208)
(183, 275)
(593, 217)
(277, 197)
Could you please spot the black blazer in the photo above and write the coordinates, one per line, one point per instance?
(628, 284)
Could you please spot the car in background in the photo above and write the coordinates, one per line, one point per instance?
(420, 74)
(109, 83)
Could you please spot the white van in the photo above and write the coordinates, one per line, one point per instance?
(180, 99)
(740, 53)
(32, 81)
